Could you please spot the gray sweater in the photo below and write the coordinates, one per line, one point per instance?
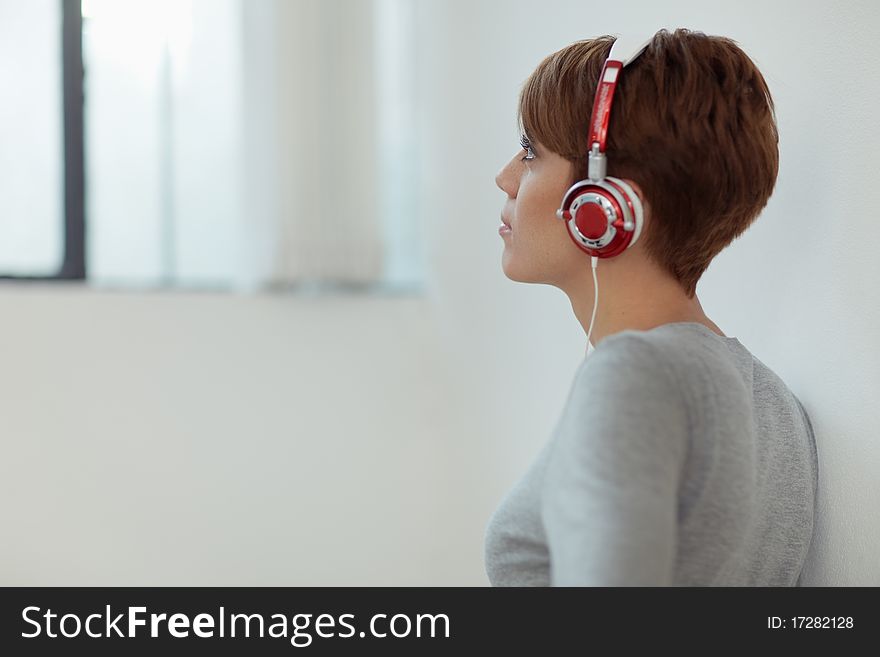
(679, 459)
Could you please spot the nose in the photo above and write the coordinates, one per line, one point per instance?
(498, 179)
(506, 181)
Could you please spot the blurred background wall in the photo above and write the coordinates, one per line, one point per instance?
(206, 409)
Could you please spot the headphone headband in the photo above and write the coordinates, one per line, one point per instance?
(604, 216)
(623, 51)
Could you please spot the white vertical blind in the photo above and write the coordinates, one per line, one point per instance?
(328, 108)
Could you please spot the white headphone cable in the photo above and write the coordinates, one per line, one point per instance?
(590, 347)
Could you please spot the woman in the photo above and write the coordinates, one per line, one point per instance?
(680, 458)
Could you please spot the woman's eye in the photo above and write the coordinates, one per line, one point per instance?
(527, 147)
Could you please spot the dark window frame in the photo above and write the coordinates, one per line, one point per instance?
(73, 265)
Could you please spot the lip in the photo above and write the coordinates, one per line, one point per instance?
(503, 229)
(504, 221)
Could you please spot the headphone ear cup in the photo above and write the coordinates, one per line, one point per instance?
(590, 209)
(630, 195)
(583, 217)
(590, 219)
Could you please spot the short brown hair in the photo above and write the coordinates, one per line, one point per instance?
(692, 123)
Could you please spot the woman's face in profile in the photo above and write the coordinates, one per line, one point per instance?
(537, 248)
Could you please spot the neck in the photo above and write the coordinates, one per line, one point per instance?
(631, 298)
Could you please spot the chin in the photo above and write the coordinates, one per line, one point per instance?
(520, 274)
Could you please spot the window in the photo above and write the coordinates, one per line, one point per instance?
(211, 150)
(41, 162)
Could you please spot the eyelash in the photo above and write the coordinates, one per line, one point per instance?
(527, 147)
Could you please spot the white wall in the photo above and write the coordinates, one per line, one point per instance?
(207, 439)
(211, 439)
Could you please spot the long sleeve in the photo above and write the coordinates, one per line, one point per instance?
(609, 496)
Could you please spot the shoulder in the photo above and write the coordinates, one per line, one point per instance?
(626, 418)
(701, 371)
(630, 359)
(629, 385)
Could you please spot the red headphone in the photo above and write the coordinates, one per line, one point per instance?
(603, 214)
